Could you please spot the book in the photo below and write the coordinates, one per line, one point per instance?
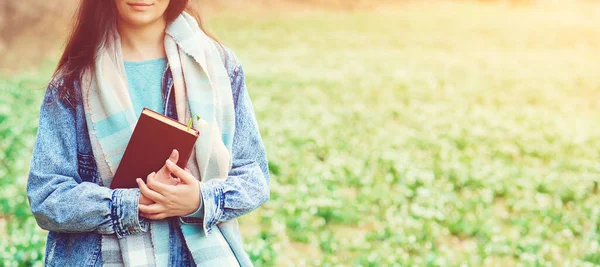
(153, 139)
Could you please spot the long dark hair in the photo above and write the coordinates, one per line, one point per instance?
(93, 22)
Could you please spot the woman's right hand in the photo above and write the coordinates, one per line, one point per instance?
(164, 176)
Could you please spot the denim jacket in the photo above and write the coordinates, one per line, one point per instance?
(66, 198)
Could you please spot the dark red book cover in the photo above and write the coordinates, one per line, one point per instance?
(153, 139)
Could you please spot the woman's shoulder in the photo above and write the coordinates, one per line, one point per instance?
(234, 69)
(230, 60)
(62, 91)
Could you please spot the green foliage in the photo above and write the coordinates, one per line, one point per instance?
(22, 240)
(412, 136)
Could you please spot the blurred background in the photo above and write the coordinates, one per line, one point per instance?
(429, 133)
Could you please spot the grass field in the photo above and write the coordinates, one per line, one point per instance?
(431, 134)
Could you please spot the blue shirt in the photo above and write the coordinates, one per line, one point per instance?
(144, 81)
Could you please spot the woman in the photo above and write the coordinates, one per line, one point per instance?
(124, 55)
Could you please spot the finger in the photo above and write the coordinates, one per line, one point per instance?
(158, 216)
(157, 186)
(148, 216)
(151, 209)
(188, 170)
(174, 157)
(147, 192)
(185, 177)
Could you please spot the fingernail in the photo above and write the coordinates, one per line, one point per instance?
(169, 162)
(138, 180)
(172, 153)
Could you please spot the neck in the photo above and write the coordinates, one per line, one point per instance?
(142, 42)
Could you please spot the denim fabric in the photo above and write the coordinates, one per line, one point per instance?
(67, 199)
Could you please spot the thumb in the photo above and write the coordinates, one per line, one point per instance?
(174, 157)
(185, 176)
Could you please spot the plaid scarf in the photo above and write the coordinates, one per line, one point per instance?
(202, 87)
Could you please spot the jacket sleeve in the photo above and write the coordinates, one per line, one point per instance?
(59, 199)
(247, 185)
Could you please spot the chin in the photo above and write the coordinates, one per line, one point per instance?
(141, 19)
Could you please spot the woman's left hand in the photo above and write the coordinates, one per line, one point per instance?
(170, 200)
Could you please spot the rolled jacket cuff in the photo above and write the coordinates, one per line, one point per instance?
(124, 212)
